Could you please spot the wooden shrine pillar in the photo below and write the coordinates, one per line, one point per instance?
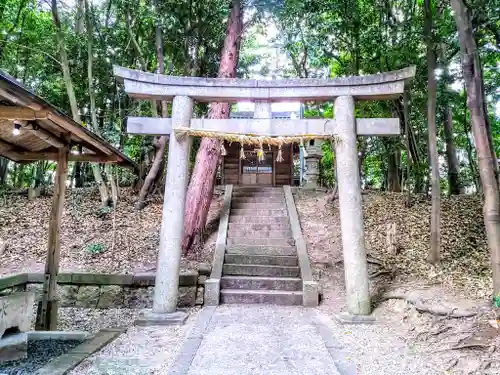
(47, 308)
(172, 224)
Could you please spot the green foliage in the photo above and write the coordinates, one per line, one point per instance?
(358, 37)
(313, 39)
(496, 301)
(104, 210)
(192, 36)
(95, 248)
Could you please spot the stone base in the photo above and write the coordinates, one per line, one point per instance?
(150, 318)
(57, 335)
(310, 295)
(346, 318)
(14, 347)
(212, 292)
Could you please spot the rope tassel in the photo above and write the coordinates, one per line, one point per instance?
(279, 158)
(223, 151)
(260, 152)
(242, 153)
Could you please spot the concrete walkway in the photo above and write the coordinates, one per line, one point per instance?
(260, 339)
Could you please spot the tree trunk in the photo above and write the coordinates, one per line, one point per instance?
(4, 167)
(393, 177)
(103, 189)
(487, 166)
(201, 187)
(434, 251)
(79, 180)
(160, 143)
(65, 64)
(363, 145)
(454, 184)
(80, 17)
(470, 155)
(393, 180)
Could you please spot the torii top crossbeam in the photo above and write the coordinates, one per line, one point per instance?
(381, 86)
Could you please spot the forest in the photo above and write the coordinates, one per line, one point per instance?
(450, 118)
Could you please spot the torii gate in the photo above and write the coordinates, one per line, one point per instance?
(185, 90)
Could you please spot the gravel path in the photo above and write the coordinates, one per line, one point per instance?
(91, 320)
(39, 353)
(139, 351)
(262, 340)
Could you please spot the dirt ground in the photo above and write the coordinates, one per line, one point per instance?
(467, 345)
(92, 239)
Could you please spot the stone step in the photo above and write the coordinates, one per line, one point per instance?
(271, 260)
(256, 188)
(275, 297)
(261, 250)
(251, 212)
(261, 241)
(261, 282)
(245, 233)
(253, 193)
(258, 219)
(259, 270)
(258, 206)
(258, 227)
(260, 199)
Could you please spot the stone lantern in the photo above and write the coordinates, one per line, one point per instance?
(314, 154)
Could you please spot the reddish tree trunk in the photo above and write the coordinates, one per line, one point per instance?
(201, 187)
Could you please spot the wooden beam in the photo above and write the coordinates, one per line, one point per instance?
(6, 146)
(47, 309)
(265, 127)
(18, 98)
(40, 155)
(80, 132)
(21, 113)
(43, 134)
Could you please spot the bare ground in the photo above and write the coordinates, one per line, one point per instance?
(445, 345)
(128, 238)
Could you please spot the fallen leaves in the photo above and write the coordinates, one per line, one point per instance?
(129, 238)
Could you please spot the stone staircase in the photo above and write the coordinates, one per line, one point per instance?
(260, 260)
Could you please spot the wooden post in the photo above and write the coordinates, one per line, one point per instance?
(47, 308)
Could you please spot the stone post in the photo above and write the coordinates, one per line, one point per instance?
(351, 211)
(172, 228)
(262, 109)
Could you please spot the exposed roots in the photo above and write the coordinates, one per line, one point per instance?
(433, 310)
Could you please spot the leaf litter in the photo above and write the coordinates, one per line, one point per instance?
(128, 240)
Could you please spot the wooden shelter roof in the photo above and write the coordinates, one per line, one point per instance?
(44, 129)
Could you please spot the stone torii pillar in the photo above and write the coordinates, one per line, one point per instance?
(351, 211)
(172, 227)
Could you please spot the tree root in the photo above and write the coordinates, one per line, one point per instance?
(433, 310)
(472, 345)
(380, 273)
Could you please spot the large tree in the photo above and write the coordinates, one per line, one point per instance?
(434, 253)
(201, 186)
(473, 77)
